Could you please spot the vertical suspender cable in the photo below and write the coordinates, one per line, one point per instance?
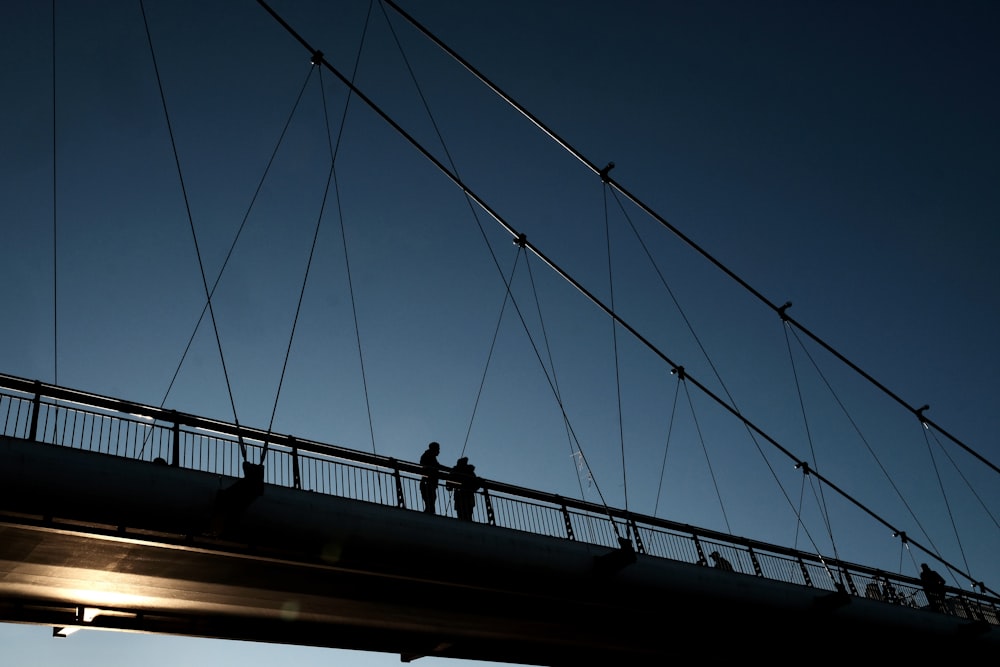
(55, 226)
(614, 343)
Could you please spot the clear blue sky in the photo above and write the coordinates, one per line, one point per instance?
(838, 155)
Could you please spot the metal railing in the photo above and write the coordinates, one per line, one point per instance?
(34, 411)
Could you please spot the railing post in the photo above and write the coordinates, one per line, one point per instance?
(296, 479)
(400, 498)
(805, 572)
(36, 404)
(756, 562)
(176, 454)
(566, 520)
(850, 581)
(701, 552)
(490, 516)
(640, 547)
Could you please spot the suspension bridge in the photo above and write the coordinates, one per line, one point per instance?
(120, 515)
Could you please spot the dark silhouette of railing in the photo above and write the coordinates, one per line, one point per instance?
(38, 412)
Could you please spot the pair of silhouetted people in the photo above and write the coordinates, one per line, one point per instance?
(462, 482)
(933, 587)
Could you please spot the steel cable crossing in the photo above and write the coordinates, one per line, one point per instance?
(609, 182)
(795, 509)
(553, 383)
(194, 233)
(802, 465)
(603, 173)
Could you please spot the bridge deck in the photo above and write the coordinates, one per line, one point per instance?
(151, 548)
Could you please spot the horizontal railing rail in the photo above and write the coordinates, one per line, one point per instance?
(35, 411)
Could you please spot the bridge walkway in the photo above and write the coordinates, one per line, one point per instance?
(124, 516)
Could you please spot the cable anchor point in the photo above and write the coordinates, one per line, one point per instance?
(521, 241)
(678, 371)
(604, 172)
(804, 467)
(901, 534)
(782, 313)
(317, 58)
(920, 414)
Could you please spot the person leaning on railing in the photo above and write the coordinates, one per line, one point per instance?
(432, 476)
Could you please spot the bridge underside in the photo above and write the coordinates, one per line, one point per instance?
(150, 549)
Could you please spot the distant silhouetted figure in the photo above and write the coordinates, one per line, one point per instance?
(432, 474)
(721, 562)
(464, 485)
(933, 587)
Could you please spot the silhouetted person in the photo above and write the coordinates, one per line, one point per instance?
(432, 474)
(933, 587)
(721, 562)
(464, 485)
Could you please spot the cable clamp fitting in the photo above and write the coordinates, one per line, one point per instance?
(782, 313)
(803, 466)
(920, 414)
(678, 371)
(317, 58)
(521, 241)
(604, 172)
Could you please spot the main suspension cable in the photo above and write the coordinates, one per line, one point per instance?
(580, 288)
(656, 216)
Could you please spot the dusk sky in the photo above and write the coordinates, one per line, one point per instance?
(838, 155)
